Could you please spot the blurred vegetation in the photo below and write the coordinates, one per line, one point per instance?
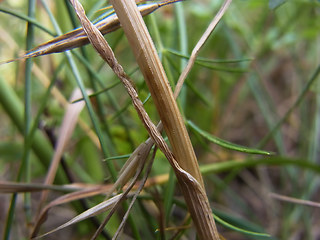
(256, 85)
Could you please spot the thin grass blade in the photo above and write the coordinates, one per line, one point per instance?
(84, 192)
(224, 143)
(243, 231)
(15, 187)
(68, 125)
(101, 207)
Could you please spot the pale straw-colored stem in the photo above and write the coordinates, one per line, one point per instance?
(189, 177)
(156, 79)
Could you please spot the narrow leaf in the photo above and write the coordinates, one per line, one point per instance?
(102, 207)
(15, 187)
(244, 231)
(224, 143)
(85, 192)
(207, 60)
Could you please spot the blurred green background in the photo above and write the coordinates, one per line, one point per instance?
(255, 84)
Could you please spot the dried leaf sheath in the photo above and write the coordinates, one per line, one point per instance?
(156, 79)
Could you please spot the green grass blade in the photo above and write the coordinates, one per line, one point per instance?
(27, 108)
(270, 161)
(112, 100)
(71, 14)
(300, 98)
(206, 60)
(25, 163)
(183, 46)
(169, 195)
(222, 69)
(112, 85)
(92, 114)
(255, 235)
(126, 156)
(13, 106)
(224, 143)
(27, 19)
(207, 63)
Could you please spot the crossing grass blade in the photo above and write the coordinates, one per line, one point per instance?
(78, 37)
(102, 207)
(224, 143)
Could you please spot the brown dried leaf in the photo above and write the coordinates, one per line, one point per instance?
(68, 125)
(77, 38)
(81, 194)
(101, 207)
(136, 160)
(199, 45)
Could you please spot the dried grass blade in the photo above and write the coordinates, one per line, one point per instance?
(131, 185)
(294, 200)
(137, 159)
(77, 38)
(68, 124)
(81, 194)
(101, 207)
(199, 45)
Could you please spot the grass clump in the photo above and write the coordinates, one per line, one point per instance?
(250, 104)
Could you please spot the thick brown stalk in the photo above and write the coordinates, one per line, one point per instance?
(156, 79)
(189, 177)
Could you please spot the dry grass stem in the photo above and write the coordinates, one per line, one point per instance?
(156, 79)
(294, 200)
(101, 207)
(141, 185)
(68, 124)
(199, 45)
(189, 175)
(77, 38)
(86, 192)
(137, 159)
